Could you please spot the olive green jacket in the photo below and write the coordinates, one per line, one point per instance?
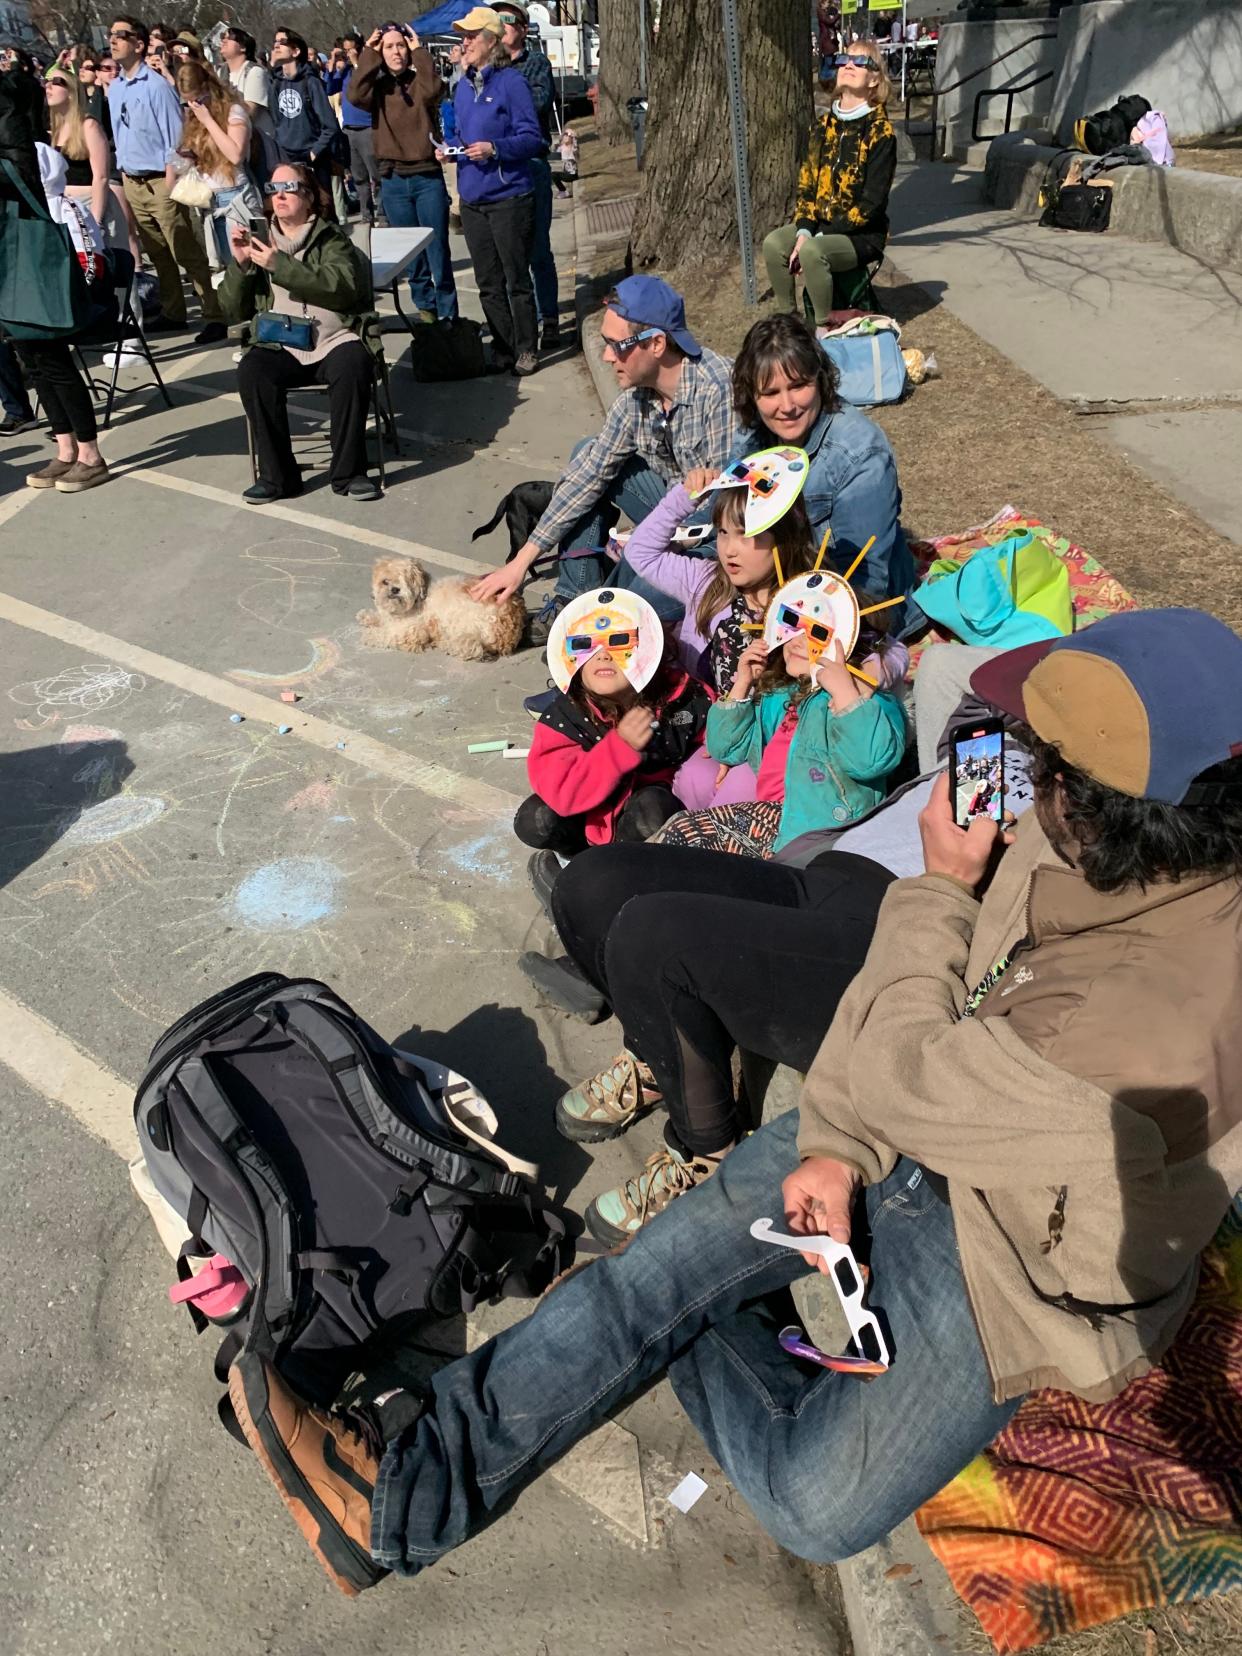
(331, 272)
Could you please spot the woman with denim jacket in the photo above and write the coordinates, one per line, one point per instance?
(785, 391)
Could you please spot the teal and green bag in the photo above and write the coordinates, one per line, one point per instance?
(43, 291)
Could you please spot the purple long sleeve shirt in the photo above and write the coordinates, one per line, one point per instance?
(650, 553)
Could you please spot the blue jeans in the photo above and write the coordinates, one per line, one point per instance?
(827, 1464)
(14, 398)
(542, 264)
(421, 201)
(636, 490)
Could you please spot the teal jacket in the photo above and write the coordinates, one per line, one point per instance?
(838, 762)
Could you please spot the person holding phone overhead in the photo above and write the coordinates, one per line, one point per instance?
(301, 282)
(396, 82)
(216, 137)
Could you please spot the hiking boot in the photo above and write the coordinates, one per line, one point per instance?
(605, 1105)
(45, 477)
(543, 870)
(624, 1211)
(323, 1465)
(560, 982)
(540, 625)
(527, 363)
(80, 476)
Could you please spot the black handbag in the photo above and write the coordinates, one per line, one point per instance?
(1078, 207)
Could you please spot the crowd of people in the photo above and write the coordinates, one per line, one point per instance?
(1018, 1035)
(179, 161)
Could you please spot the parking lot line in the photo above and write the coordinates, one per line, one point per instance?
(308, 520)
(48, 1061)
(349, 746)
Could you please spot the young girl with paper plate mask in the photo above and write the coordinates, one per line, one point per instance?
(761, 525)
(820, 733)
(603, 755)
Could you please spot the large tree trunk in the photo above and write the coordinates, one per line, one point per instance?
(619, 66)
(688, 211)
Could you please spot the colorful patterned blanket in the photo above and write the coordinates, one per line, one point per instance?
(1080, 1512)
(1094, 593)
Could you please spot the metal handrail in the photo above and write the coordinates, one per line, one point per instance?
(1009, 93)
(939, 91)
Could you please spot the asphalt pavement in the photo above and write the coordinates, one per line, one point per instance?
(154, 849)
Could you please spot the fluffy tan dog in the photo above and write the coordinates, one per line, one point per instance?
(412, 613)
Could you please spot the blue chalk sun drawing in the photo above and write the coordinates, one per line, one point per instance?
(288, 895)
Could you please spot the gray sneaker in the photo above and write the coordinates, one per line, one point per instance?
(527, 363)
(80, 476)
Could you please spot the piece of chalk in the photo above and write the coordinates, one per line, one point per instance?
(487, 747)
(516, 753)
(340, 744)
(687, 1492)
(235, 718)
(289, 696)
(284, 730)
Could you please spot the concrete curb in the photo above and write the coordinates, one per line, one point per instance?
(587, 309)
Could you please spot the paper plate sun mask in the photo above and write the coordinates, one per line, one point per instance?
(618, 622)
(819, 604)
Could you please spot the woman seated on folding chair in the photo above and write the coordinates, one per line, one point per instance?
(841, 218)
(306, 294)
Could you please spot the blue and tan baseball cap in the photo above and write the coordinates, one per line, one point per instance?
(1144, 702)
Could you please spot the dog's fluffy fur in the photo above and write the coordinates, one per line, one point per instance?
(412, 613)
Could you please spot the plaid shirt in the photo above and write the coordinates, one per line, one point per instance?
(698, 430)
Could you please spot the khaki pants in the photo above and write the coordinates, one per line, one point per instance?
(169, 238)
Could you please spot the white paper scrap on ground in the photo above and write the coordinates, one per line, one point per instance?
(687, 1492)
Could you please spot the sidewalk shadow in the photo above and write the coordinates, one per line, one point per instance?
(502, 1052)
(44, 791)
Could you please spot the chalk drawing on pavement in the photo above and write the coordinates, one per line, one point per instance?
(288, 894)
(112, 818)
(75, 692)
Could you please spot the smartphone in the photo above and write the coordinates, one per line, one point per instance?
(260, 231)
(977, 771)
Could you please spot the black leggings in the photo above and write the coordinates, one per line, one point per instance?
(700, 953)
(645, 811)
(59, 386)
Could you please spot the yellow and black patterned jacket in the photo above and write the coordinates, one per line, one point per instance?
(844, 183)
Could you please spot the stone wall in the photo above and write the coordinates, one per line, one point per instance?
(1183, 56)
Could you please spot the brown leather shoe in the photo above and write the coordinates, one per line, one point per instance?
(324, 1469)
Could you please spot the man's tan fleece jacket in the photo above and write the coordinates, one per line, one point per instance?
(1088, 1119)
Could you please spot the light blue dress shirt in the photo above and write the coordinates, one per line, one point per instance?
(146, 121)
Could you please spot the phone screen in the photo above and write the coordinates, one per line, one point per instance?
(977, 771)
(260, 231)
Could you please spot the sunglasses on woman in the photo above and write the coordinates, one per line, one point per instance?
(857, 60)
(272, 188)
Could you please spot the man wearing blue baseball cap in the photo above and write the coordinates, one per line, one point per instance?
(675, 413)
(1026, 1115)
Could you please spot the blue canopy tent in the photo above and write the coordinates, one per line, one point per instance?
(440, 19)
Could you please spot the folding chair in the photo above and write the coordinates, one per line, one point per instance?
(382, 413)
(113, 333)
(851, 290)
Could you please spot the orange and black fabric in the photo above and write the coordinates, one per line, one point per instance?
(844, 184)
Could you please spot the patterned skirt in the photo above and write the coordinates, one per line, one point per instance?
(745, 830)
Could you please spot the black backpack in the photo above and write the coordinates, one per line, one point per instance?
(327, 1167)
(450, 350)
(1110, 128)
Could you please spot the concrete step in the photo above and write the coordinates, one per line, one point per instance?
(1197, 213)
